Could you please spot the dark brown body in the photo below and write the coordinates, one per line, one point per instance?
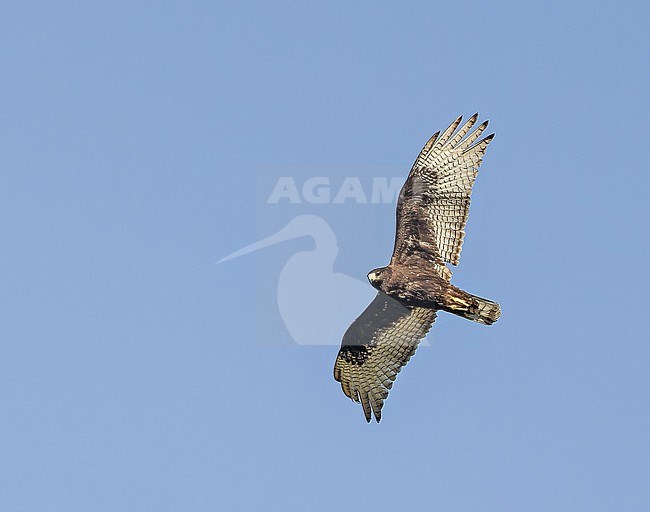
(418, 283)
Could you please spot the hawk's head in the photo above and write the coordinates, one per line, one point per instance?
(376, 277)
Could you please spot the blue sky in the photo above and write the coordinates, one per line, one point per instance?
(137, 375)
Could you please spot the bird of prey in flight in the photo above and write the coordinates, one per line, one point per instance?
(432, 212)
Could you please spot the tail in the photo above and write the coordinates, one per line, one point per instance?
(471, 307)
(481, 310)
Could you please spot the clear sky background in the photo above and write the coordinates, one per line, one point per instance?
(133, 375)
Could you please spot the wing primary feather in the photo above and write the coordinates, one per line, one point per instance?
(426, 150)
(365, 403)
(463, 130)
(448, 132)
(472, 136)
(482, 144)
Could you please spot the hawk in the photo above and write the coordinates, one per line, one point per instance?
(432, 211)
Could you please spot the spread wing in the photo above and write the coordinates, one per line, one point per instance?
(434, 202)
(376, 347)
